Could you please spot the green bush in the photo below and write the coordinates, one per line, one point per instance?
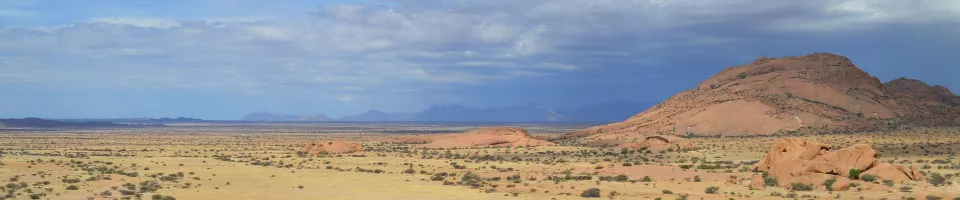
(800, 187)
(667, 192)
(888, 183)
(868, 178)
(712, 190)
(591, 193)
(829, 183)
(621, 178)
(646, 179)
(770, 181)
(854, 174)
(937, 179)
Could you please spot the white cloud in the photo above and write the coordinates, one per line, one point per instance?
(365, 48)
(141, 22)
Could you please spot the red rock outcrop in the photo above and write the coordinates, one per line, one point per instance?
(756, 182)
(809, 162)
(652, 143)
(315, 148)
(483, 137)
(817, 92)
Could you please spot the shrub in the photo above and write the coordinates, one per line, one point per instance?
(156, 197)
(937, 179)
(906, 189)
(888, 182)
(770, 181)
(854, 174)
(646, 179)
(697, 179)
(712, 190)
(621, 178)
(800, 187)
(168, 198)
(591, 193)
(667, 192)
(829, 183)
(72, 187)
(868, 178)
(931, 197)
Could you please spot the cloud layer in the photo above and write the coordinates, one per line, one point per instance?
(404, 55)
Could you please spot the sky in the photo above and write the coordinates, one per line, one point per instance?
(221, 59)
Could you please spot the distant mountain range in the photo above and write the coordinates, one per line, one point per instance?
(45, 123)
(529, 112)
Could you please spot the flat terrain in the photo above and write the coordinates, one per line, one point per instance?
(235, 162)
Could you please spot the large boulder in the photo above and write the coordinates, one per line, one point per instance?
(756, 182)
(318, 147)
(860, 156)
(483, 137)
(788, 150)
(885, 171)
(808, 162)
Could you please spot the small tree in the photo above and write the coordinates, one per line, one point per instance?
(854, 174)
(591, 193)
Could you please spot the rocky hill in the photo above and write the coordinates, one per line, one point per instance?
(814, 93)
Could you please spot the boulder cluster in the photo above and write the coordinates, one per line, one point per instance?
(800, 161)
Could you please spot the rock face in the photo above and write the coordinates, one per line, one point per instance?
(483, 137)
(808, 162)
(756, 182)
(318, 147)
(817, 92)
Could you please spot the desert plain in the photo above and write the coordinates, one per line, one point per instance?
(203, 161)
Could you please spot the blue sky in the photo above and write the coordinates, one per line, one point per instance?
(220, 59)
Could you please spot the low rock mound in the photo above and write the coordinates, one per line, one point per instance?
(652, 143)
(338, 146)
(483, 137)
(808, 162)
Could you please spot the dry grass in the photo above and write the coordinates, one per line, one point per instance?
(265, 165)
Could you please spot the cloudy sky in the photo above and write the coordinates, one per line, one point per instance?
(220, 59)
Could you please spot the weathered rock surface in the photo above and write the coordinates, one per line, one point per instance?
(814, 93)
(338, 146)
(756, 182)
(652, 143)
(809, 162)
(885, 171)
(483, 137)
